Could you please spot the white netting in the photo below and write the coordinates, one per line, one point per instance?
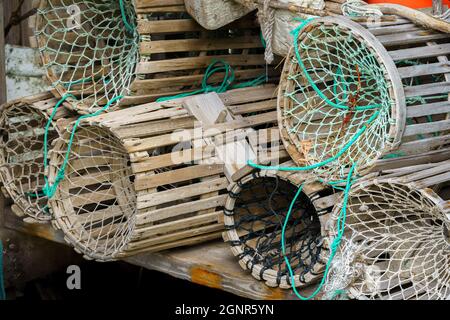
(22, 130)
(336, 99)
(95, 203)
(89, 48)
(398, 243)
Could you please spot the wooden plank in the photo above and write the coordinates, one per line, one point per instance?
(192, 190)
(213, 265)
(193, 45)
(408, 38)
(179, 210)
(427, 89)
(178, 175)
(168, 26)
(197, 63)
(424, 70)
(157, 3)
(423, 128)
(421, 52)
(209, 264)
(208, 131)
(428, 109)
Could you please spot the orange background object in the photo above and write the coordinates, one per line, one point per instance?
(415, 4)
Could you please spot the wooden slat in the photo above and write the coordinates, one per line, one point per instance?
(181, 209)
(421, 52)
(427, 89)
(179, 175)
(192, 45)
(424, 70)
(423, 128)
(197, 63)
(193, 190)
(428, 109)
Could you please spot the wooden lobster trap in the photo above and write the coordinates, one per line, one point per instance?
(356, 95)
(268, 207)
(22, 128)
(148, 178)
(396, 244)
(96, 51)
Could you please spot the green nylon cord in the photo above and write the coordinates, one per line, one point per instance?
(2, 278)
(218, 66)
(334, 246)
(296, 33)
(323, 163)
(128, 26)
(50, 190)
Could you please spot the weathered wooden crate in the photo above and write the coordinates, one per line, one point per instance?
(92, 52)
(147, 179)
(22, 128)
(410, 88)
(176, 51)
(396, 242)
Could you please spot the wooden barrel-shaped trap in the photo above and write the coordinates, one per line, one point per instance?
(396, 243)
(22, 128)
(146, 178)
(255, 213)
(142, 50)
(357, 95)
(89, 49)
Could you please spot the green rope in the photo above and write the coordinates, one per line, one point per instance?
(128, 26)
(334, 246)
(50, 190)
(323, 163)
(218, 66)
(296, 33)
(2, 279)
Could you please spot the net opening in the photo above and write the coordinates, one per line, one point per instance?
(335, 87)
(22, 131)
(259, 212)
(95, 204)
(88, 48)
(400, 251)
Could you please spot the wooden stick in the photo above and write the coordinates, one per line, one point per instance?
(418, 17)
(276, 4)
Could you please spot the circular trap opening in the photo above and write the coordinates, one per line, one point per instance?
(90, 49)
(95, 203)
(338, 97)
(256, 211)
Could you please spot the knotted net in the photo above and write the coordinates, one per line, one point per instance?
(89, 48)
(95, 202)
(336, 97)
(22, 128)
(396, 246)
(255, 213)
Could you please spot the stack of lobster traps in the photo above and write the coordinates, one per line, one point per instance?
(169, 125)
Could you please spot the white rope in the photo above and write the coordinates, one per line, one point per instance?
(266, 16)
(358, 8)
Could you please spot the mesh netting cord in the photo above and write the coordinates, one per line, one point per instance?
(89, 48)
(334, 246)
(311, 82)
(50, 189)
(229, 77)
